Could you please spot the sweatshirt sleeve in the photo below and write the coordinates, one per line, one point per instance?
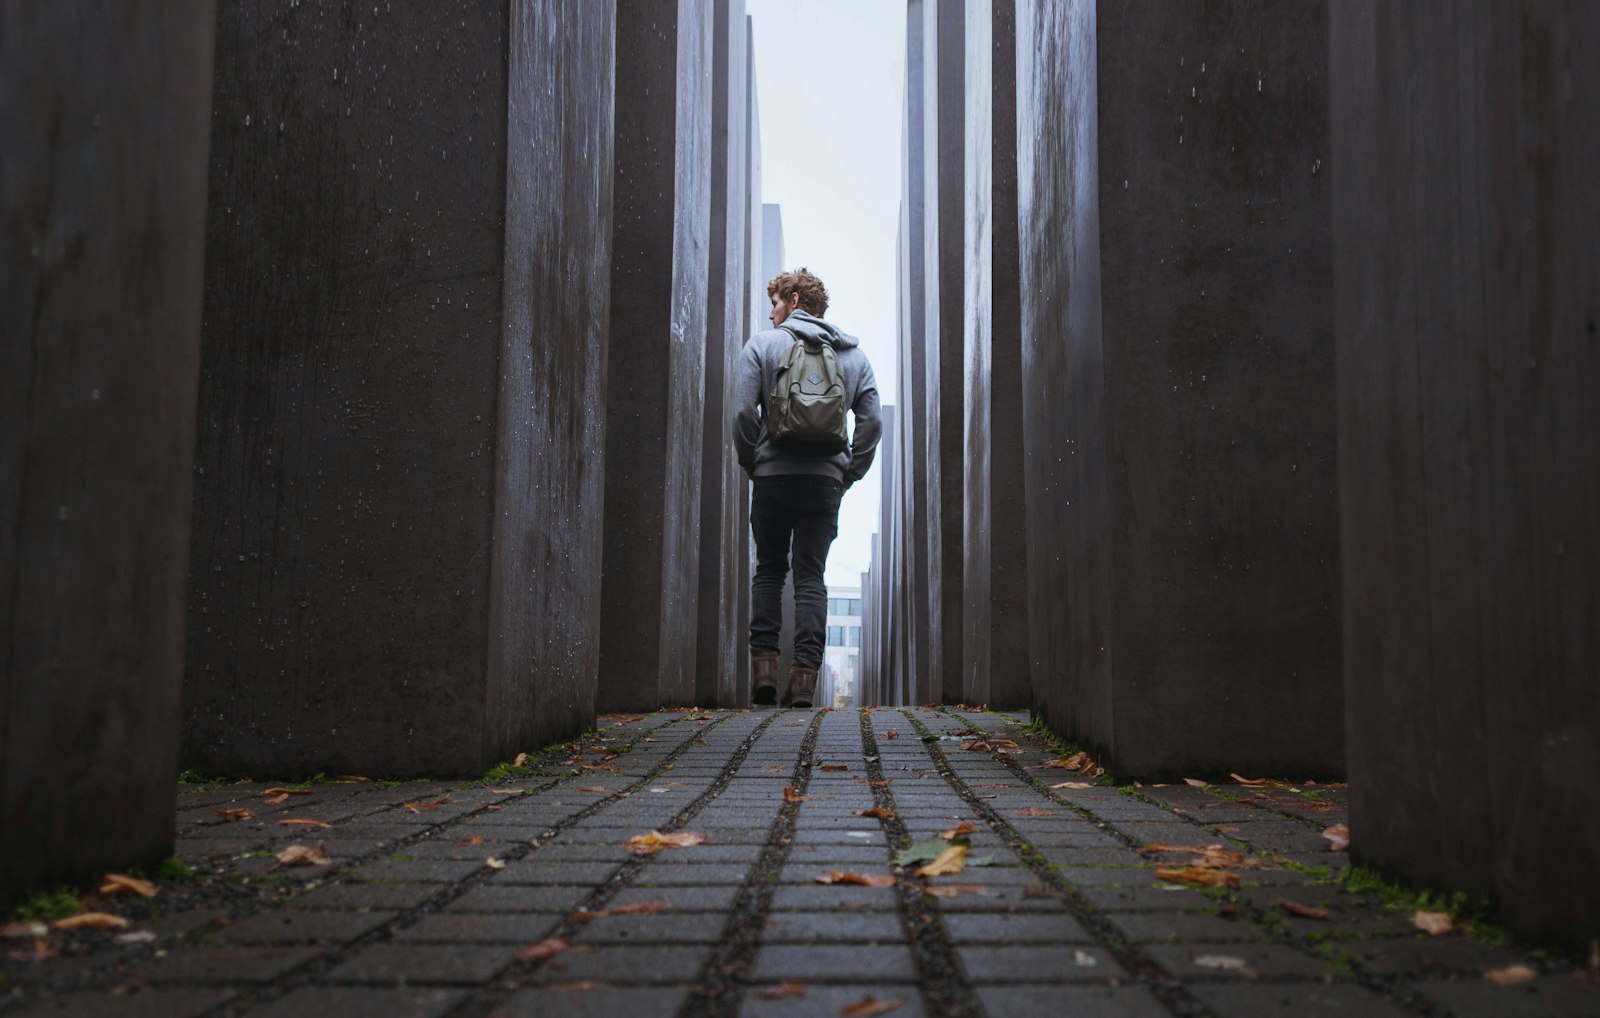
(868, 429)
(747, 407)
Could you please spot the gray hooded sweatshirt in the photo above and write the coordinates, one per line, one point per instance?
(758, 369)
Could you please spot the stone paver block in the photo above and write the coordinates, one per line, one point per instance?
(290, 926)
(811, 897)
(690, 874)
(1312, 1000)
(806, 927)
(1007, 928)
(1034, 963)
(831, 1001)
(1545, 997)
(520, 898)
(362, 1002)
(593, 1002)
(1237, 961)
(1114, 1002)
(145, 1004)
(665, 928)
(226, 965)
(420, 871)
(680, 899)
(834, 963)
(1150, 927)
(468, 928)
(420, 963)
(535, 871)
(629, 965)
(1434, 955)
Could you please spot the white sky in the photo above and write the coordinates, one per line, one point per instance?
(830, 79)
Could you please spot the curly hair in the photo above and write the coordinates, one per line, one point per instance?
(813, 295)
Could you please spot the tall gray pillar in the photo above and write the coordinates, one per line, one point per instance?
(1177, 365)
(103, 114)
(1467, 248)
(655, 372)
(994, 574)
(399, 466)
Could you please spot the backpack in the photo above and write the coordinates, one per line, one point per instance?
(805, 413)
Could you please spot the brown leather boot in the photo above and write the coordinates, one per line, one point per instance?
(802, 686)
(764, 679)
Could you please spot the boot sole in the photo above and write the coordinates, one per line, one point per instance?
(766, 696)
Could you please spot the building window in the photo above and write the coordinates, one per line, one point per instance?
(855, 636)
(836, 636)
(844, 606)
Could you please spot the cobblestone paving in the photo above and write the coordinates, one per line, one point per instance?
(436, 891)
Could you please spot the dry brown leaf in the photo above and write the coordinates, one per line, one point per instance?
(1225, 962)
(1073, 784)
(788, 989)
(637, 908)
(116, 883)
(92, 921)
(1196, 782)
(472, 839)
(978, 746)
(955, 890)
(1037, 889)
(1198, 875)
(237, 813)
(1301, 909)
(1034, 811)
(792, 794)
(1258, 782)
(1433, 923)
(300, 855)
(959, 830)
(352, 779)
(1079, 761)
(628, 719)
(593, 788)
(27, 930)
(521, 760)
(655, 841)
(303, 822)
(891, 734)
(276, 800)
(947, 864)
(543, 949)
(284, 791)
(508, 791)
(869, 1006)
(1511, 975)
(579, 984)
(1338, 838)
(875, 811)
(1208, 856)
(860, 879)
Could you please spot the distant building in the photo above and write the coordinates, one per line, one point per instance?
(842, 650)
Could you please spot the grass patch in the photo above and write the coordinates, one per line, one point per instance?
(173, 868)
(192, 782)
(42, 906)
(1475, 912)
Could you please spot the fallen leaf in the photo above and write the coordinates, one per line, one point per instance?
(237, 813)
(1302, 910)
(979, 746)
(701, 742)
(1037, 889)
(1209, 856)
(1258, 782)
(494, 864)
(789, 988)
(637, 908)
(1433, 923)
(861, 879)
(116, 883)
(593, 788)
(1079, 761)
(876, 811)
(1510, 975)
(24, 930)
(955, 890)
(1034, 811)
(834, 767)
(1198, 875)
(655, 841)
(1196, 782)
(1073, 784)
(958, 830)
(1226, 962)
(300, 855)
(948, 864)
(792, 794)
(472, 839)
(349, 779)
(92, 921)
(1338, 838)
(285, 791)
(922, 851)
(520, 761)
(579, 984)
(277, 800)
(303, 822)
(869, 1006)
(543, 949)
(431, 806)
(628, 719)
(891, 734)
(1083, 959)
(507, 791)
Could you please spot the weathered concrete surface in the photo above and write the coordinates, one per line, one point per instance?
(942, 431)
(102, 241)
(727, 313)
(1174, 210)
(993, 519)
(399, 466)
(656, 359)
(1467, 229)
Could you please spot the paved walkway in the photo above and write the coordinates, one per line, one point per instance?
(517, 896)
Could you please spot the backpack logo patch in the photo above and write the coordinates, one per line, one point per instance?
(815, 379)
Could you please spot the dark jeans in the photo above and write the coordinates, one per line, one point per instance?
(805, 510)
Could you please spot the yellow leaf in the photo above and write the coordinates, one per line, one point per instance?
(947, 864)
(301, 822)
(116, 883)
(959, 830)
(876, 811)
(300, 855)
(655, 841)
(1433, 923)
(1510, 975)
(860, 879)
(92, 921)
(494, 864)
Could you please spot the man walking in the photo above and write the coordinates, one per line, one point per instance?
(796, 381)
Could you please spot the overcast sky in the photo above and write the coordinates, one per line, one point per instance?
(830, 77)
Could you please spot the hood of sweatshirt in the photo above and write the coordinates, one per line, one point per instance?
(813, 329)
